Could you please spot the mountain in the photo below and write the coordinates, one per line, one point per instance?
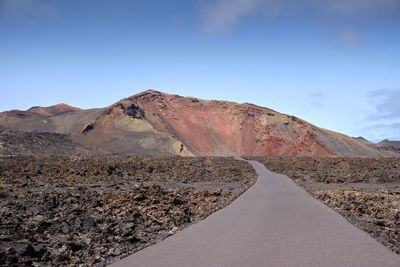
(114, 129)
(157, 123)
(364, 141)
(43, 111)
(389, 145)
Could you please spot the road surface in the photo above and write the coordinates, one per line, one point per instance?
(274, 223)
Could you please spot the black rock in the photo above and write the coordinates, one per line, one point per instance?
(75, 246)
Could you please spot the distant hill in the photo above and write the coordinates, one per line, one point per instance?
(156, 123)
(43, 111)
(389, 145)
(364, 141)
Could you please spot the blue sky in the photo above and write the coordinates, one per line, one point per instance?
(333, 63)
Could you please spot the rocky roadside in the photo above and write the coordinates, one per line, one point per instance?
(364, 191)
(376, 212)
(91, 211)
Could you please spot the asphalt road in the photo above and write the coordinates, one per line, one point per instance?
(274, 223)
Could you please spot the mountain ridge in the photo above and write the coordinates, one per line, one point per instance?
(389, 145)
(156, 123)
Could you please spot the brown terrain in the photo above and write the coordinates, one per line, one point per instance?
(389, 145)
(43, 111)
(73, 193)
(89, 211)
(365, 191)
(155, 123)
(39, 144)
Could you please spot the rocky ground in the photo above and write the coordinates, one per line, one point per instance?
(90, 211)
(14, 143)
(365, 191)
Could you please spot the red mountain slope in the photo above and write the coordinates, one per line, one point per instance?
(164, 124)
(225, 128)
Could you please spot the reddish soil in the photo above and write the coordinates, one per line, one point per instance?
(220, 127)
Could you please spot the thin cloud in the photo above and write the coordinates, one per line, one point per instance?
(357, 7)
(384, 121)
(393, 126)
(316, 100)
(27, 8)
(379, 132)
(350, 35)
(316, 95)
(222, 16)
(386, 103)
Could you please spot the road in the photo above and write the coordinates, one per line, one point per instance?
(274, 223)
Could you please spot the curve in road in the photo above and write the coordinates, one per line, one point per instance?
(274, 223)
